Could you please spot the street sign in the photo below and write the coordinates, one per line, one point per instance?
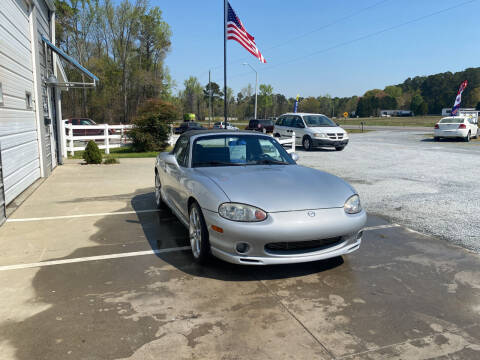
(345, 114)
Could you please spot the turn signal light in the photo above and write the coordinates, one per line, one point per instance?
(462, 126)
(217, 229)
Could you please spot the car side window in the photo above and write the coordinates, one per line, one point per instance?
(84, 122)
(299, 122)
(289, 121)
(279, 121)
(181, 151)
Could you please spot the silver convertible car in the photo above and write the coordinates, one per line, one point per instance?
(244, 199)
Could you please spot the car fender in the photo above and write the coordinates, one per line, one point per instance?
(205, 191)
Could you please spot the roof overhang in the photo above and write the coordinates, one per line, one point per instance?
(73, 62)
(50, 4)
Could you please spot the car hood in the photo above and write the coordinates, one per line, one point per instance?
(328, 129)
(275, 188)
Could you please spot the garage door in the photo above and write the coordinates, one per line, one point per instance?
(18, 131)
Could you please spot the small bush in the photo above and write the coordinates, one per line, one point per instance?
(110, 160)
(151, 130)
(92, 154)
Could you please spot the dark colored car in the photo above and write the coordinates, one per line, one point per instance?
(86, 132)
(187, 126)
(265, 126)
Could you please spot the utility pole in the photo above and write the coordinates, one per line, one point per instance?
(256, 86)
(209, 99)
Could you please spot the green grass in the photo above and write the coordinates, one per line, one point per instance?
(123, 152)
(422, 121)
(357, 131)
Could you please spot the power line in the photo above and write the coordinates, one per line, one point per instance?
(334, 22)
(360, 38)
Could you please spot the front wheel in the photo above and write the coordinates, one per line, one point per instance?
(339, 148)
(158, 195)
(467, 138)
(198, 234)
(307, 143)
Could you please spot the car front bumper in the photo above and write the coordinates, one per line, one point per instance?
(455, 133)
(329, 142)
(291, 227)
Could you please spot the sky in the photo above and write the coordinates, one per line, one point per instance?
(318, 47)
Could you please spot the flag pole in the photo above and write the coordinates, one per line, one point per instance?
(225, 13)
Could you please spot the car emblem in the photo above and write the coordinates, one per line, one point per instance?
(311, 213)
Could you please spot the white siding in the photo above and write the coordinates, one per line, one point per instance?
(18, 133)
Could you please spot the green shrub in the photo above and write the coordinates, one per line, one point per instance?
(92, 154)
(151, 127)
(110, 160)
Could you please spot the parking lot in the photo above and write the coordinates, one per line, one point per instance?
(90, 270)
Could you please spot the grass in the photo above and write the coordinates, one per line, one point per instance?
(123, 152)
(357, 131)
(423, 121)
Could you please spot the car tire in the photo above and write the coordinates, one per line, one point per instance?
(467, 138)
(158, 195)
(436, 138)
(307, 143)
(198, 235)
(339, 148)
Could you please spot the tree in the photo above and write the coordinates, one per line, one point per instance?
(310, 105)
(393, 91)
(265, 99)
(418, 105)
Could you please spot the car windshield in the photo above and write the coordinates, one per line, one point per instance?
(318, 120)
(238, 150)
(266, 122)
(451, 121)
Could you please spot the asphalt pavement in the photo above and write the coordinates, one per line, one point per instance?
(432, 187)
(89, 269)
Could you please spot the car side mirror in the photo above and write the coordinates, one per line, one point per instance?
(171, 160)
(294, 156)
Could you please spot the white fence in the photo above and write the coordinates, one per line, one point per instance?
(112, 136)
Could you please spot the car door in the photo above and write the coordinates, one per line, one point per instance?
(299, 128)
(177, 176)
(288, 126)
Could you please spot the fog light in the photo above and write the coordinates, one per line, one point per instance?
(242, 247)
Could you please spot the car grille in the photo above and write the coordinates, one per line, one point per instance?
(333, 136)
(301, 246)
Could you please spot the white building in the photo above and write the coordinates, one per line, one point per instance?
(31, 79)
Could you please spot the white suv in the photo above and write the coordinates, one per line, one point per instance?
(311, 130)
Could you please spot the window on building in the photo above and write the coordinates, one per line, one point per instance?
(28, 99)
(1, 95)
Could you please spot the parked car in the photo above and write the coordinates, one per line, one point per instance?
(221, 125)
(311, 130)
(235, 212)
(86, 131)
(456, 127)
(187, 126)
(265, 126)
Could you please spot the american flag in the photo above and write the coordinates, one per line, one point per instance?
(237, 32)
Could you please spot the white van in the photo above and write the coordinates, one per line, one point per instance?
(311, 130)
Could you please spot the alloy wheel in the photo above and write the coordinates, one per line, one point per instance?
(195, 231)
(158, 196)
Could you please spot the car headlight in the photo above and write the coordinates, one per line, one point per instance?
(353, 205)
(241, 212)
(319, 135)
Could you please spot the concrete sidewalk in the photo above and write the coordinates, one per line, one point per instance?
(403, 295)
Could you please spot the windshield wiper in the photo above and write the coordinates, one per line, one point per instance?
(272, 162)
(217, 163)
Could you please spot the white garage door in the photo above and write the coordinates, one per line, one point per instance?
(18, 133)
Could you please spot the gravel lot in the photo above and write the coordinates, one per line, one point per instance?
(403, 175)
